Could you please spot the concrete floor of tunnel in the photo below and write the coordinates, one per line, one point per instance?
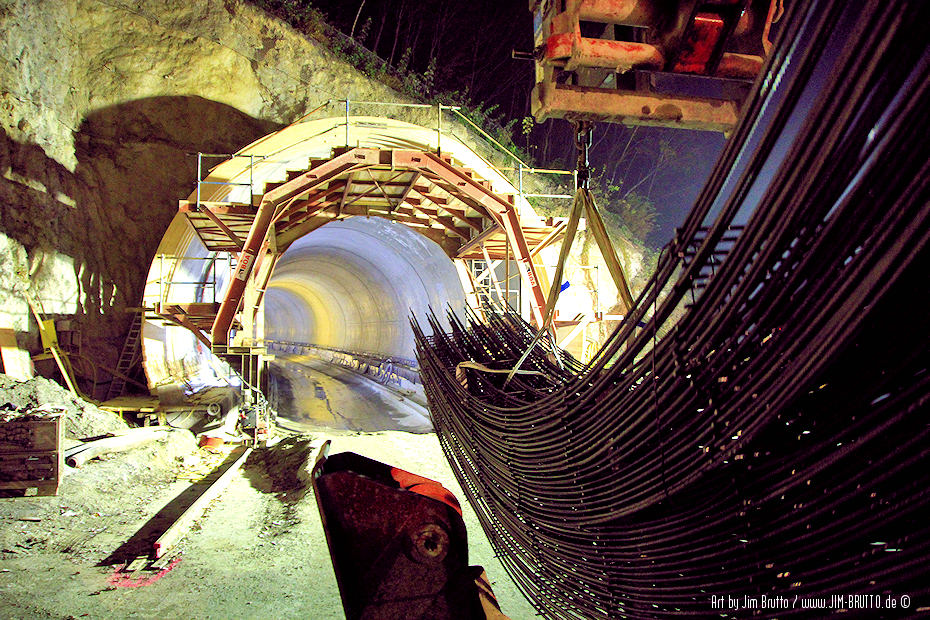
(310, 394)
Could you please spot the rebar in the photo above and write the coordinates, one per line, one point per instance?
(756, 426)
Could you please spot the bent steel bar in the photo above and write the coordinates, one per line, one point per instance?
(755, 427)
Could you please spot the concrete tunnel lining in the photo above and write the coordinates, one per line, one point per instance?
(328, 285)
(367, 275)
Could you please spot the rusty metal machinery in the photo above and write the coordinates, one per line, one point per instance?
(686, 63)
(757, 426)
(398, 543)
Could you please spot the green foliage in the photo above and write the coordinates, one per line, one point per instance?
(626, 214)
(430, 75)
(311, 22)
(362, 35)
(403, 65)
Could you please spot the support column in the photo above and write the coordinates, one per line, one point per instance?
(257, 233)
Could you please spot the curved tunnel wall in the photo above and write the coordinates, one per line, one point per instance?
(353, 284)
(176, 362)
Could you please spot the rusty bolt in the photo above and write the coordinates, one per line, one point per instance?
(430, 543)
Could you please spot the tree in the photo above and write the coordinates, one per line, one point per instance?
(626, 214)
(357, 14)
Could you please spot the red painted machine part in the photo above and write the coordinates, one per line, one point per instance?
(426, 487)
(698, 48)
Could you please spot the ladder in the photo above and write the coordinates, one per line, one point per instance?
(126, 358)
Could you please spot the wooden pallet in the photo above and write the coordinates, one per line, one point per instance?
(31, 455)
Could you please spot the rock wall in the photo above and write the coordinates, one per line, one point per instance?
(104, 105)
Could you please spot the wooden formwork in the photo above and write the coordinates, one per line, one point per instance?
(30, 453)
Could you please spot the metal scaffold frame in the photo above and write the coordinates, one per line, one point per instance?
(252, 221)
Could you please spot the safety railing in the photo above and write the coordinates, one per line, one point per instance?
(445, 120)
(510, 167)
(169, 266)
(225, 156)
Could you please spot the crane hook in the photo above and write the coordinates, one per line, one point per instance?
(582, 144)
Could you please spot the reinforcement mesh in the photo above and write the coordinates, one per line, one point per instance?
(757, 425)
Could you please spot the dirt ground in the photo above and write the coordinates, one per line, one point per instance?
(258, 552)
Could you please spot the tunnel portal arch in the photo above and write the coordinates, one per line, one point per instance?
(352, 285)
(217, 260)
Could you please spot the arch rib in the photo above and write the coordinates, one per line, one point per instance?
(502, 211)
(330, 184)
(267, 211)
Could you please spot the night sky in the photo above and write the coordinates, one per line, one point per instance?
(466, 46)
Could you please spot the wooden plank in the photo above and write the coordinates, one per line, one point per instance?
(219, 208)
(141, 404)
(7, 337)
(180, 527)
(16, 362)
(21, 434)
(36, 460)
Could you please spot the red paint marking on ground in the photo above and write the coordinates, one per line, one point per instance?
(123, 580)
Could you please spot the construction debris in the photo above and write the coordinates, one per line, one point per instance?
(80, 454)
(81, 418)
(30, 450)
(180, 527)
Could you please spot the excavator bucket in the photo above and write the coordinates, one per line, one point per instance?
(398, 543)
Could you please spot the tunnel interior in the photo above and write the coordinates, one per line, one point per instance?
(354, 284)
(347, 276)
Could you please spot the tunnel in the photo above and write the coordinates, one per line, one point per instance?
(353, 285)
(369, 242)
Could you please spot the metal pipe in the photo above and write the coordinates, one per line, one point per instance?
(199, 175)
(439, 129)
(347, 123)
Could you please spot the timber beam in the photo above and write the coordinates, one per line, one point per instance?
(422, 190)
(502, 210)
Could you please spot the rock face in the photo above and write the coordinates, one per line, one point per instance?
(104, 106)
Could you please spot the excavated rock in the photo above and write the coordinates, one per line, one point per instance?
(103, 107)
(82, 419)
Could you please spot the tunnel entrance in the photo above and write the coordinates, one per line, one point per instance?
(354, 284)
(350, 288)
(329, 237)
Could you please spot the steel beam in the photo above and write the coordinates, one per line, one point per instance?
(479, 239)
(267, 211)
(305, 227)
(633, 108)
(295, 202)
(500, 209)
(222, 226)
